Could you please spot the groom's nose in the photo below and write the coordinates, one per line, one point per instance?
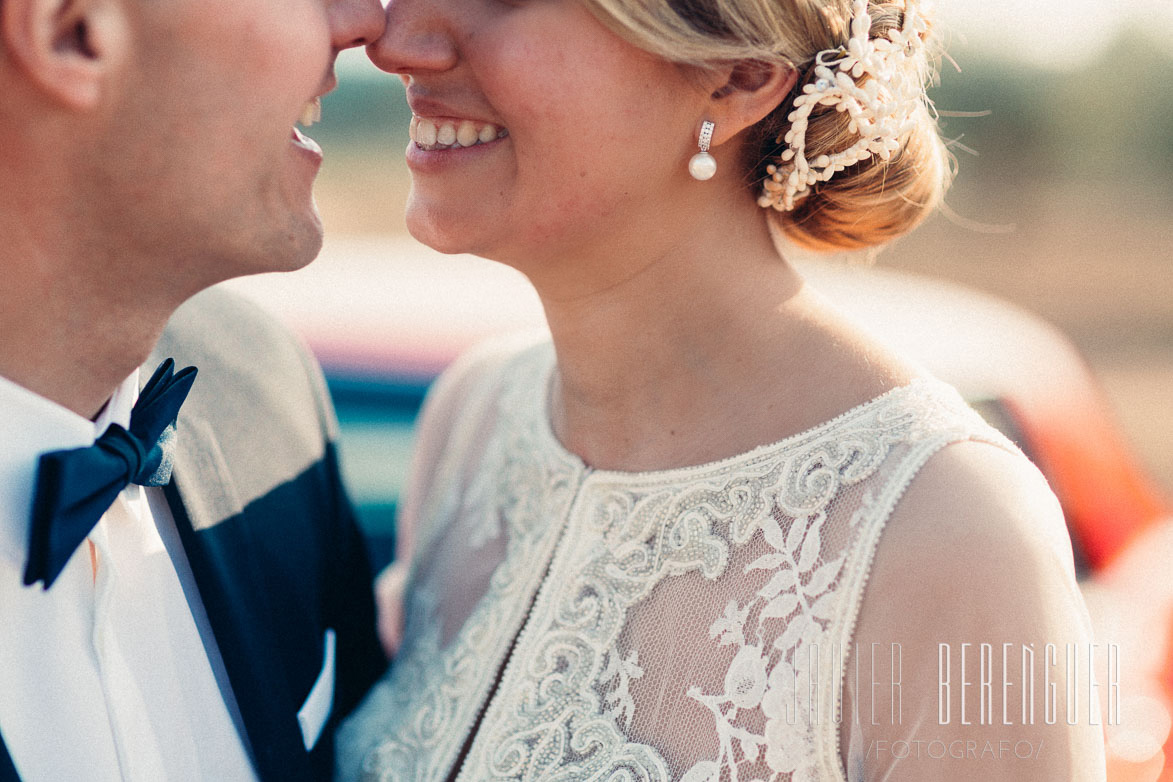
(354, 22)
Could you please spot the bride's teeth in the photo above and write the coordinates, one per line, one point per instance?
(466, 134)
(311, 113)
(425, 133)
(432, 135)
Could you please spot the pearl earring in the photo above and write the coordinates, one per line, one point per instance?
(702, 165)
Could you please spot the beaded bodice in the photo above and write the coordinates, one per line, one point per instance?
(565, 623)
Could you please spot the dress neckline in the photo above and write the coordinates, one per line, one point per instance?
(921, 385)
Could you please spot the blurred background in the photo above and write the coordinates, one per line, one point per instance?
(1063, 201)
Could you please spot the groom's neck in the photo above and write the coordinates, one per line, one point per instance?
(68, 341)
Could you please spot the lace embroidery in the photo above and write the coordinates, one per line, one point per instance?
(617, 674)
(479, 515)
(420, 714)
(565, 704)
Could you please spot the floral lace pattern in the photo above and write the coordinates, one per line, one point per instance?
(420, 713)
(587, 549)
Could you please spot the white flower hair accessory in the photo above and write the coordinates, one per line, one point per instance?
(882, 109)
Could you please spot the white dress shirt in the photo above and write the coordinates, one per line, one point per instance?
(112, 674)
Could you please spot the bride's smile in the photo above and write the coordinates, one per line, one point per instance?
(433, 134)
(578, 113)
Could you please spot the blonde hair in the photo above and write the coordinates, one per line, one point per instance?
(865, 205)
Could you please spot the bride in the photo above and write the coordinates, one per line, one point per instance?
(710, 531)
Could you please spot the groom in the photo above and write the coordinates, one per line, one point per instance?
(176, 604)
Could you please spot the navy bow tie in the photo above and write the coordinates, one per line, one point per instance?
(75, 487)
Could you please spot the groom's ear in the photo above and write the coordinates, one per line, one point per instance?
(68, 50)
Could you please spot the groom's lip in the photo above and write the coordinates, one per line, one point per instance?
(305, 146)
(307, 149)
(328, 84)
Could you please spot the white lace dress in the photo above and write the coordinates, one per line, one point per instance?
(703, 624)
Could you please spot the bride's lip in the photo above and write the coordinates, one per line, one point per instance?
(436, 161)
(424, 106)
(435, 134)
(439, 110)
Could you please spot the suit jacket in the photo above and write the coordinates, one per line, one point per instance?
(267, 528)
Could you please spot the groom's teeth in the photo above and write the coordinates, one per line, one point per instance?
(310, 113)
(430, 135)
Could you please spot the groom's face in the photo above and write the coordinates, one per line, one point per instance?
(204, 165)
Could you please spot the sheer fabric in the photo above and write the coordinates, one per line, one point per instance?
(710, 623)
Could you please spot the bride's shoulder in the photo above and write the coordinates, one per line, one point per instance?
(480, 371)
(502, 349)
(451, 422)
(979, 541)
(976, 498)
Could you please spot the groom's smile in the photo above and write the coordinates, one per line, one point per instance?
(206, 612)
(206, 111)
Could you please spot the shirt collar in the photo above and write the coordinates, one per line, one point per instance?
(117, 410)
(31, 425)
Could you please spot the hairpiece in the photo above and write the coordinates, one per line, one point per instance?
(878, 82)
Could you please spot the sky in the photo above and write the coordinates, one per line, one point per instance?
(1053, 34)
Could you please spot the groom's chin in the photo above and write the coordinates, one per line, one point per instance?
(289, 249)
(308, 249)
(295, 247)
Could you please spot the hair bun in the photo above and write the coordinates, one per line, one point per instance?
(857, 161)
(888, 166)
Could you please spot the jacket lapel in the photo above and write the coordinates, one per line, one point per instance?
(224, 562)
(7, 769)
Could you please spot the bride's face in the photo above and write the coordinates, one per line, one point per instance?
(537, 131)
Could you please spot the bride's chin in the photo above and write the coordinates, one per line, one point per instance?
(442, 232)
(440, 241)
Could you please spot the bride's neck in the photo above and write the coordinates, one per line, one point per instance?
(658, 360)
(697, 343)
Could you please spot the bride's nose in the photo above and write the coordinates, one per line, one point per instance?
(418, 37)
